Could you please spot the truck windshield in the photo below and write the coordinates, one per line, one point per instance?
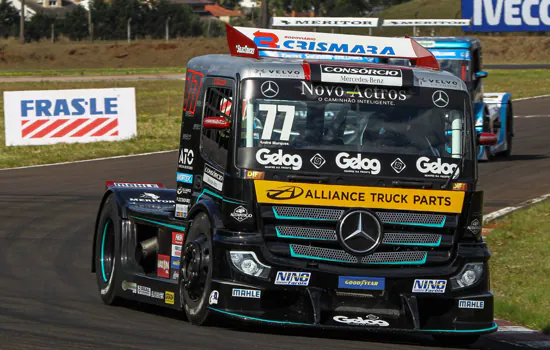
(300, 115)
(459, 68)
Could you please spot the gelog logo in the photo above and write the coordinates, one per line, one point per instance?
(345, 161)
(280, 159)
(424, 165)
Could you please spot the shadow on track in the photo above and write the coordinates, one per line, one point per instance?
(517, 157)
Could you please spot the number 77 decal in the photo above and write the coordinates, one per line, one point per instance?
(270, 120)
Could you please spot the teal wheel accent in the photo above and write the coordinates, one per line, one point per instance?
(103, 252)
(259, 319)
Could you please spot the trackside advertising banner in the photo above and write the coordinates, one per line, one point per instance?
(69, 116)
(507, 15)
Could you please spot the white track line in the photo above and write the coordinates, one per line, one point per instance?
(505, 211)
(529, 98)
(515, 329)
(89, 160)
(536, 344)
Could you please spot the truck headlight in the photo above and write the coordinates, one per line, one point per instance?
(470, 275)
(248, 263)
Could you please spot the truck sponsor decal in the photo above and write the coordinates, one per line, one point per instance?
(361, 75)
(369, 283)
(370, 320)
(193, 84)
(359, 196)
(213, 177)
(429, 286)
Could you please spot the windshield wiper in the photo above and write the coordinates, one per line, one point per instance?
(412, 184)
(308, 178)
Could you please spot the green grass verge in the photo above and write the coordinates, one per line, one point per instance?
(521, 83)
(158, 105)
(520, 267)
(91, 71)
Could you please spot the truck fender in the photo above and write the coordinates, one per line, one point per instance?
(126, 196)
(496, 104)
(205, 203)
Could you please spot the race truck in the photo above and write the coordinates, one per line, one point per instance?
(462, 57)
(313, 190)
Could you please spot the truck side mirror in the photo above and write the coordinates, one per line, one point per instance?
(481, 74)
(219, 123)
(487, 139)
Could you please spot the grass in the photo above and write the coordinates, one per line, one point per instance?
(520, 267)
(158, 105)
(90, 71)
(522, 83)
(86, 57)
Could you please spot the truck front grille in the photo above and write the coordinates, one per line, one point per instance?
(410, 238)
(336, 255)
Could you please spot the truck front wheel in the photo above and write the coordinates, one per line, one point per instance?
(108, 228)
(196, 272)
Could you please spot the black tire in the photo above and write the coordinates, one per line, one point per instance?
(196, 271)
(107, 255)
(509, 130)
(456, 340)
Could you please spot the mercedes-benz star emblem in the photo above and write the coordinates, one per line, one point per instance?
(360, 232)
(440, 98)
(269, 89)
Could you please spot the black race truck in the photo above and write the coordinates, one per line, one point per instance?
(314, 189)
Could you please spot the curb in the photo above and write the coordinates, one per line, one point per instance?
(511, 333)
(505, 211)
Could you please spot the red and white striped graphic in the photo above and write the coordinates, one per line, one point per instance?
(65, 127)
(48, 117)
(225, 106)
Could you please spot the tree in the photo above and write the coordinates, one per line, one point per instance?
(9, 19)
(75, 24)
(102, 19)
(121, 12)
(181, 19)
(39, 27)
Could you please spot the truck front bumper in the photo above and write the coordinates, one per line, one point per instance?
(317, 295)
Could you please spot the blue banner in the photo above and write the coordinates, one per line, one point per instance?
(507, 15)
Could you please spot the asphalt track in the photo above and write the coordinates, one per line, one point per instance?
(49, 298)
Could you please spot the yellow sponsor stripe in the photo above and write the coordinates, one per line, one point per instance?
(277, 192)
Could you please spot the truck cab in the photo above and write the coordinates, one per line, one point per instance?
(314, 189)
(462, 56)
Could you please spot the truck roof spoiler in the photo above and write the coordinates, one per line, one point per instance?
(257, 43)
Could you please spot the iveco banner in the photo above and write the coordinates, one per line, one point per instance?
(69, 116)
(507, 15)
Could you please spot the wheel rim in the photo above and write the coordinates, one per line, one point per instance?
(106, 259)
(195, 268)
